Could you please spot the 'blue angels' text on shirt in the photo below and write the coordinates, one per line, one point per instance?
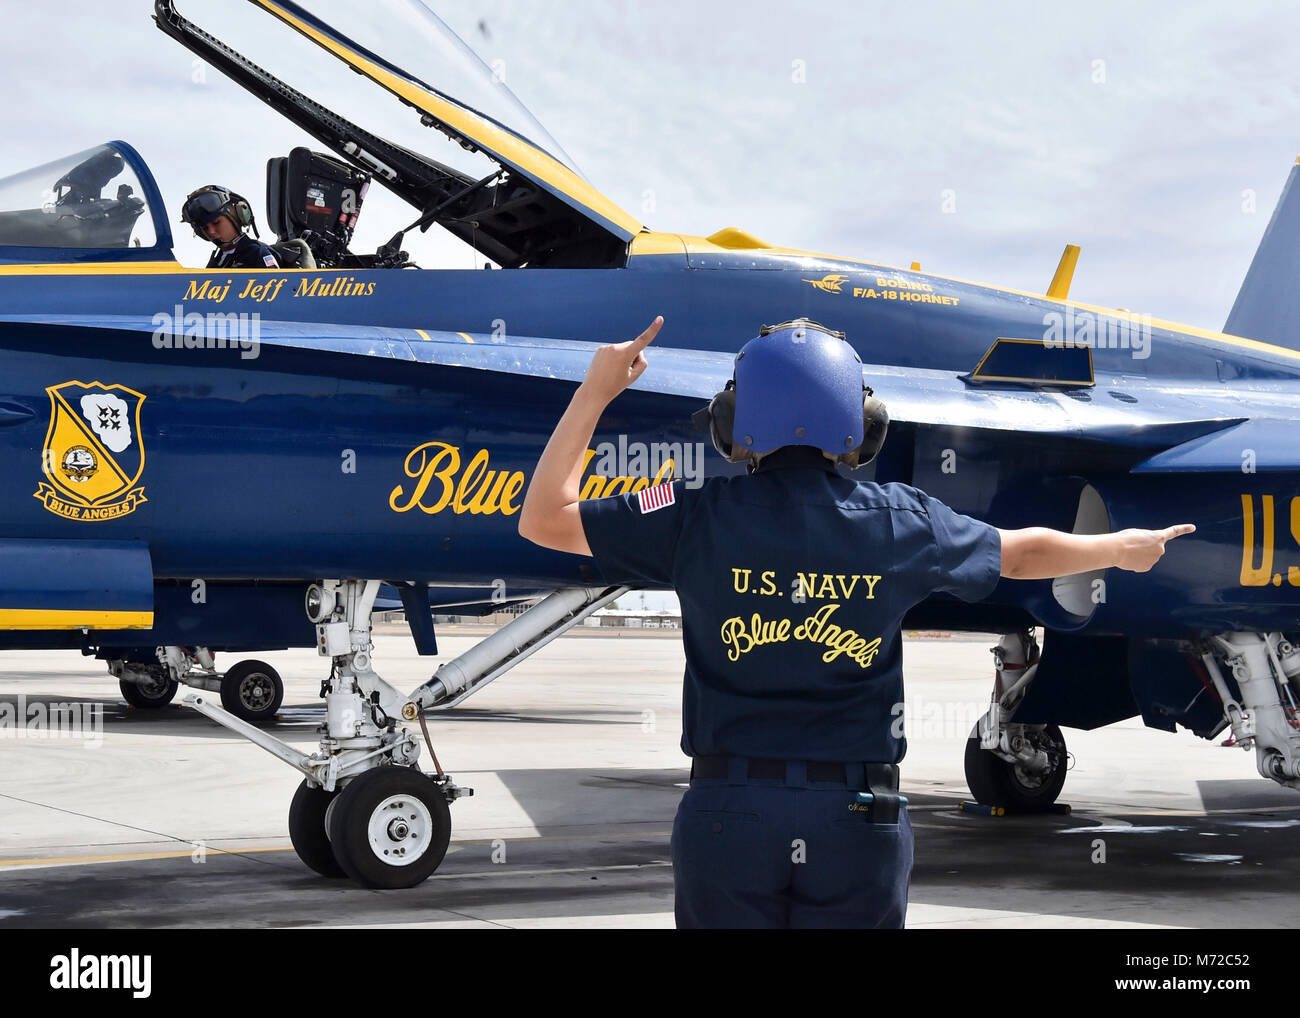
(793, 584)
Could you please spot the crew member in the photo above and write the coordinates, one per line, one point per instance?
(219, 215)
(793, 583)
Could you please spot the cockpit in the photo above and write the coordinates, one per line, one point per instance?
(427, 120)
(96, 205)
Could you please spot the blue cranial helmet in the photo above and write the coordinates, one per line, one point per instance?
(797, 383)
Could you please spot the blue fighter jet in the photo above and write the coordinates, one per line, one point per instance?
(231, 460)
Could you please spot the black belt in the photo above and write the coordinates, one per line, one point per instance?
(871, 775)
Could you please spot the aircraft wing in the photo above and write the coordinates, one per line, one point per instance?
(1187, 428)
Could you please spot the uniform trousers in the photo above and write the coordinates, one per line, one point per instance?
(777, 854)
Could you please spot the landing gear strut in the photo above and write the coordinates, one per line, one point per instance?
(366, 810)
(1018, 766)
(1266, 670)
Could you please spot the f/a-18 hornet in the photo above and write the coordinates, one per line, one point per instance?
(203, 461)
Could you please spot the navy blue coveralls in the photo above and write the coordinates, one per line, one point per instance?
(248, 253)
(793, 583)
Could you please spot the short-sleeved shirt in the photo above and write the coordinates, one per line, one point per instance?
(793, 583)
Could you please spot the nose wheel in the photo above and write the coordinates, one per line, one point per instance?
(252, 691)
(390, 827)
(1015, 785)
(155, 690)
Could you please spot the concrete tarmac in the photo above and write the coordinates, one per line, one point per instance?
(163, 818)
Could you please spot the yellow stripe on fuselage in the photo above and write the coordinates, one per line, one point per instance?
(95, 269)
(44, 618)
(651, 243)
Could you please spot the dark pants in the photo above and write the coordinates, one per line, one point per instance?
(764, 854)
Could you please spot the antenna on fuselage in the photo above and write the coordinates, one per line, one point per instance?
(1060, 286)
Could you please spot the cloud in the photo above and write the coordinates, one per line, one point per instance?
(690, 116)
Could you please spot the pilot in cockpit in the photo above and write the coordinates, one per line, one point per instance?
(219, 215)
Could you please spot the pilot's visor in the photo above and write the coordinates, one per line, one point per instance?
(203, 208)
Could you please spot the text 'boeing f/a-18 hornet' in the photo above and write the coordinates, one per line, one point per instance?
(191, 456)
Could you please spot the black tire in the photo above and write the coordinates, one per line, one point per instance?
(252, 690)
(994, 782)
(307, 815)
(362, 832)
(157, 694)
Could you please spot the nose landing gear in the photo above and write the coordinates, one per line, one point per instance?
(1020, 767)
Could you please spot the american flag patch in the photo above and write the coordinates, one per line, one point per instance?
(270, 260)
(656, 497)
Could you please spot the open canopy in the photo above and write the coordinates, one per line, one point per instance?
(519, 199)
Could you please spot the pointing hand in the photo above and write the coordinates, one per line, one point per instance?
(1139, 550)
(618, 365)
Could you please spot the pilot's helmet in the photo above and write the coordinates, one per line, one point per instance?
(799, 383)
(207, 203)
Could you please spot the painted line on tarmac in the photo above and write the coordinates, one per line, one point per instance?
(12, 865)
(504, 870)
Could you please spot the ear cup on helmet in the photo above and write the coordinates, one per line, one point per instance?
(875, 426)
(722, 418)
(240, 211)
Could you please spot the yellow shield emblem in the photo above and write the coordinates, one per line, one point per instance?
(94, 452)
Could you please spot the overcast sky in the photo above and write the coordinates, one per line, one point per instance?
(1141, 132)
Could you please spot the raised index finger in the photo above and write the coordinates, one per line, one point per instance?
(643, 340)
(1179, 530)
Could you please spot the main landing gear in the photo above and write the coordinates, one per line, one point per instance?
(251, 690)
(1019, 767)
(365, 809)
(1255, 675)
(1266, 670)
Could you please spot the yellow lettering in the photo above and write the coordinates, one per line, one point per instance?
(1250, 576)
(592, 487)
(420, 464)
(871, 585)
(1292, 573)
(485, 500)
(739, 577)
(513, 487)
(735, 638)
(468, 480)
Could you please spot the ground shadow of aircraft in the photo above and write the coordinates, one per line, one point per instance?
(194, 457)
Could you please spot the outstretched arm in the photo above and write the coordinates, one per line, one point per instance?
(1037, 553)
(550, 515)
